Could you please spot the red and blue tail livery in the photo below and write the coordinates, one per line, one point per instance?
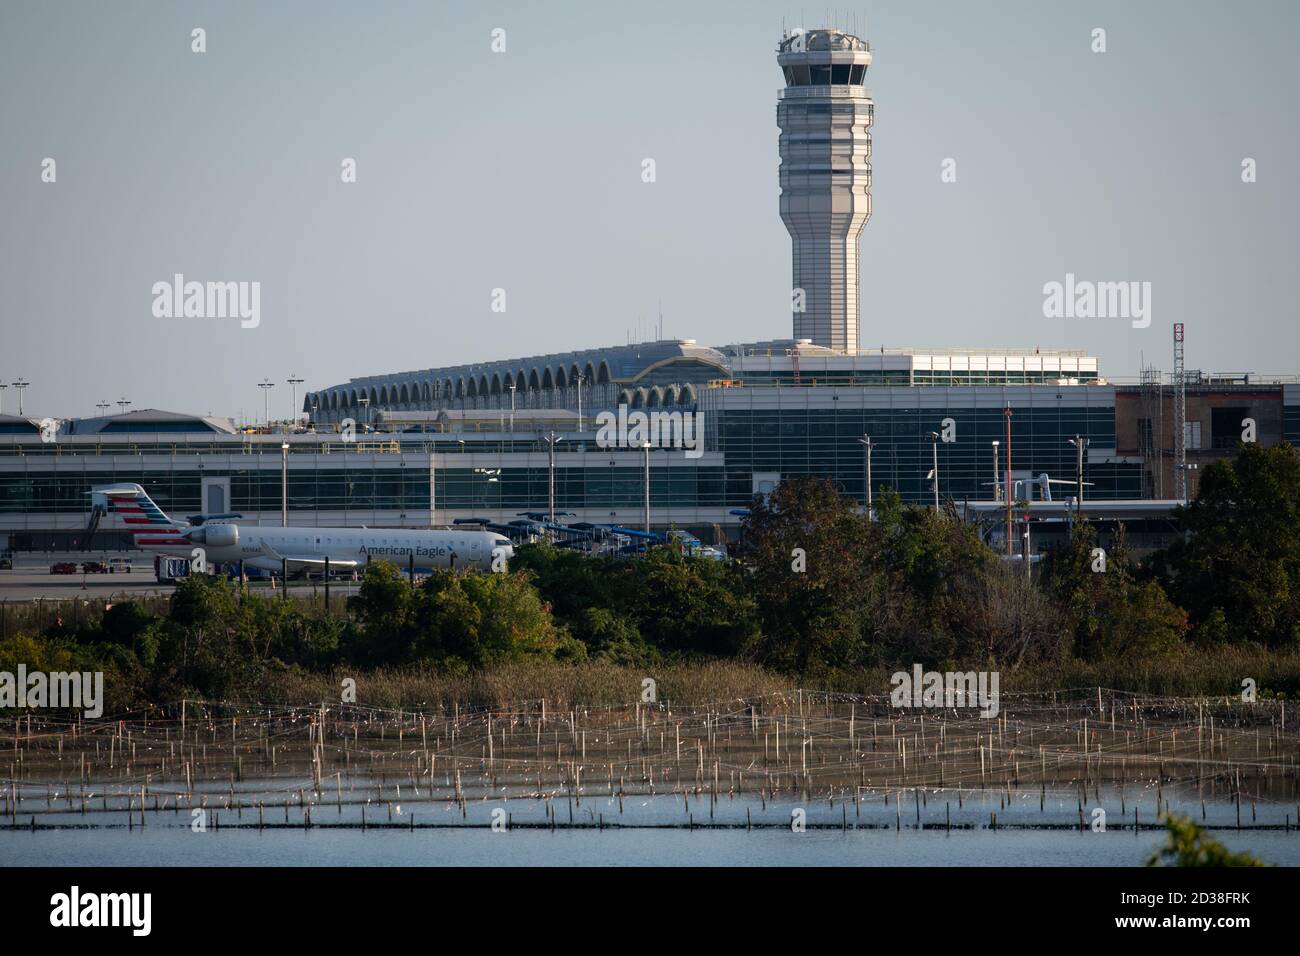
(148, 524)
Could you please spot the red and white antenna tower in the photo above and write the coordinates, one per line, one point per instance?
(1180, 416)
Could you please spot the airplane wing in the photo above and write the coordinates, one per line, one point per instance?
(307, 561)
(633, 533)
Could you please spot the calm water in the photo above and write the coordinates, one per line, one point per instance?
(168, 839)
(153, 847)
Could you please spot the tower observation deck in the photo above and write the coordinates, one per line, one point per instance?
(825, 114)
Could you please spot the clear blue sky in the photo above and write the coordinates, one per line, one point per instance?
(522, 171)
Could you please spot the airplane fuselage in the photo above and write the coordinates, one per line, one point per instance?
(265, 548)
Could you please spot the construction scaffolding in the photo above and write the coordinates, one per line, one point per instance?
(1151, 431)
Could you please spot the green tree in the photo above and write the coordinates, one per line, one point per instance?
(486, 619)
(612, 637)
(1186, 844)
(384, 611)
(209, 642)
(939, 580)
(127, 624)
(291, 634)
(572, 582)
(1241, 553)
(689, 605)
(663, 602)
(1108, 612)
(805, 548)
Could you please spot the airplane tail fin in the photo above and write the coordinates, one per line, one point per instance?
(148, 524)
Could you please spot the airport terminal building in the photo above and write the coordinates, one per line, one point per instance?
(429, 446)
(421, 467)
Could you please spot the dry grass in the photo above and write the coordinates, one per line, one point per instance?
(562, 686)
(1216, 672)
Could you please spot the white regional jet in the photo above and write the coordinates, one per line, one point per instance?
(300, 548)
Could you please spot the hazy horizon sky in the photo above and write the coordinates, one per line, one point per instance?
(522, 171)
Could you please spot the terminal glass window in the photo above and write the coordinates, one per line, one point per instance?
(1226, 426)
(825, 442)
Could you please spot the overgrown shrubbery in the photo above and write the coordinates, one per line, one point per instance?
(916, 585)
(634, 612)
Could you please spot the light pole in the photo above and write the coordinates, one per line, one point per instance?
(512, 407)
(1028, 564)
(646, 449)
(294, 382)
(364, 402)
(934, 447)
(1007, 487)
(123, 403)
(284, 484)
(433, 485)
(865, 442)
(1079, 443)
(997, 485)
(19, 385)
(103, 408)
(266, 385)
(579, 401)
(2, 397)
(551, 440)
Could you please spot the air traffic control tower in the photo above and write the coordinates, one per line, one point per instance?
(825, 115)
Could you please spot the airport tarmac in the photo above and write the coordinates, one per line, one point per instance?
(31, 580)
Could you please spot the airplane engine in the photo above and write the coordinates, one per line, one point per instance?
(216, 535)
